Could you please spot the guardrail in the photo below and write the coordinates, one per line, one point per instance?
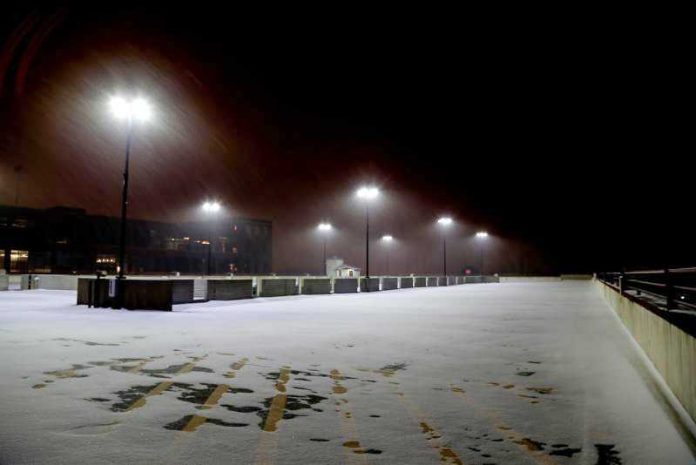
(667, 289)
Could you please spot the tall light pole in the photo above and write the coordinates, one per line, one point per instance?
(367, 194)
(324, 230)
(132, 110)
(444, 223)
(387, 240)
(211, 208)
(481, 237)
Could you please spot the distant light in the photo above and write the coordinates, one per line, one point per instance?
(367, 192)
(481, 234)
(387, 238)
(324, 227)
(445, 221)
(211, 206)
(137, 108)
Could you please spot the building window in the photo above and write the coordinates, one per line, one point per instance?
(19, 261)
(106, 260)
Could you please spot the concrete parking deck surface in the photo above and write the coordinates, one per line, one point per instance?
(520, 373)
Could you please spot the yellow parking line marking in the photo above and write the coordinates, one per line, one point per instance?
(137, 368)
(214, 396)
(235, 367)
(268, 444)
(354, 451)
(194, 423)
(447, 454)
(521, 441)
(275, 412)
(187, 367)
(157, 390)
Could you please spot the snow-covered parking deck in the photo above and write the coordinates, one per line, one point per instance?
(513, 373)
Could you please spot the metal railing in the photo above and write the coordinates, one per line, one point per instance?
(668, 289)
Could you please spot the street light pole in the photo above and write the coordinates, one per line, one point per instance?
(444, 222)
(324, 229)
(128, 110)
(210, 208)
(481, 237)
(367, 194)
(387, 239)
(124, 206)
(367, 240)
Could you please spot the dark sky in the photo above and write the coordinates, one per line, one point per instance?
(560, 137)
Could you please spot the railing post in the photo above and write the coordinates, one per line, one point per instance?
(622, 282)
(669, 290)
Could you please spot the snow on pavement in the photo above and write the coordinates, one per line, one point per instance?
(513, 373)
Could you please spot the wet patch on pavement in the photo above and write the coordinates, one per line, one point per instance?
(531, 444)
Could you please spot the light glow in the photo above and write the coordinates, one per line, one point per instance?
(211, 206)
(367, 192)
(444, 221)
(324, 227)
(387, 238)
(137, 108)
(481, 235)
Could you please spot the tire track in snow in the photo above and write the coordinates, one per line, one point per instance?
(355, 453)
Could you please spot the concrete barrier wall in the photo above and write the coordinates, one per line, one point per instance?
(389, 284)
(529, 279)
(54, 282)
(182, 291)
(369, 284)
(420, 281)
(4, 282)
(345, 285)
(472, 279)
(460, 279)
(230, 289)
(432, 281)
(451, 280)
(671, 349)
(406, 283)
(149, 295)
(275, 287)
(576, 277)
(316, 286)
(491, 279)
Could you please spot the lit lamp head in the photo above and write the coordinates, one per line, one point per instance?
(324, 227)
(481, 235)
(211, 206)
(134, 109)
(444, 221)
(367, 193)
(387, 238)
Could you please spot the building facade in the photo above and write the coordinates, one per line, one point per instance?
(69, 240)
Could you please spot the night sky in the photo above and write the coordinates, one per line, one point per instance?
(562, 138)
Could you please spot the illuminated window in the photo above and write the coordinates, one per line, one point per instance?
(19, 260)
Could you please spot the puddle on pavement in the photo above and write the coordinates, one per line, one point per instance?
(97, 399)
(525, 373)
(319, 440)
(38, 386)
(607, 455)
(180, 424)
